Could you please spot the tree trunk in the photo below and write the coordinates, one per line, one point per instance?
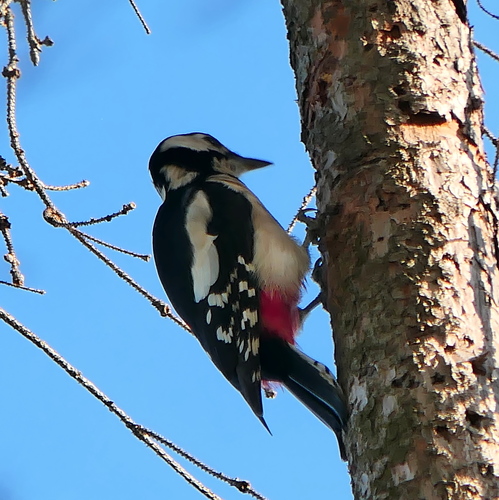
(391, 108)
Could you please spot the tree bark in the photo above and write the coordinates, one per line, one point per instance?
(391, 108)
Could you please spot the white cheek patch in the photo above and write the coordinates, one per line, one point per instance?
(177, 176)
(205, 264)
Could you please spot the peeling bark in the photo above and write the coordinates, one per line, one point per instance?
(391, 108)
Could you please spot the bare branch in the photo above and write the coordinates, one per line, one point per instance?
(485, 49)
(51, 214)
(479, 2)
(13, 175)
(107, 218)
(4, 5)
(10, 257)
(3, 180)
(139, 15)
(19, 181)
(146, 435)
(6, 167)
(306, 200)
(11, 72)
(489, 135)
(495, 165)
(78, 185)
(144, 257)
(495, 142)
(241, 485)
(139, 431)
(25, 288)
(33, 41)
(163, 308)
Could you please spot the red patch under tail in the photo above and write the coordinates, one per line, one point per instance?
(279, 315)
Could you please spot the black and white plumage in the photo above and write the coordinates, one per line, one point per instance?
(234, 275)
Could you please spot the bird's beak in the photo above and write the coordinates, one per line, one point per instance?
(241, 164)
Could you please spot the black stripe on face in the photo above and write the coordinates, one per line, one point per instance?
(188, 159)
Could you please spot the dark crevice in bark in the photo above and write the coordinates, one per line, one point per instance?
(460, 7)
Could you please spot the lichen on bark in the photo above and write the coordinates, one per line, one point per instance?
(391, 108)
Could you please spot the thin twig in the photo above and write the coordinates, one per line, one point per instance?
(22, 182)
(489, 135)
(496, 161)
(78, 185)
(12, 171)
(4, 5)
(485, 49)
(25, 288)
(163, 308)
(51, 213)
(137, 429)
(479, 2)
(33, 41)
(10, 257)
(495, 142)
(57, 219)
(107, 218)
(306, 200)
(240, 484)
(17, 179)
(11, 73)
(139, 15)
(142, 256)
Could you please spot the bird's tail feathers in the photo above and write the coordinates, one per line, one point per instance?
(315, 386)
(251, 392)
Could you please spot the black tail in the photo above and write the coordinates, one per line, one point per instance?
(308, 380)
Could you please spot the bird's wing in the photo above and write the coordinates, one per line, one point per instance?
(223, 310)
(233, 298)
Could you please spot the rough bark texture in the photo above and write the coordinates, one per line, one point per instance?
(391, 108)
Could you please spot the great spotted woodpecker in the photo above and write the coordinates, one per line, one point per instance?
(234, 275)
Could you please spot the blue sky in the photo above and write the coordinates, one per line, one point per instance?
(101, 99)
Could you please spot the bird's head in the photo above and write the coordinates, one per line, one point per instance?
(180, 159)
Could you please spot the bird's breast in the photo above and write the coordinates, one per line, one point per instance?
(280, 262)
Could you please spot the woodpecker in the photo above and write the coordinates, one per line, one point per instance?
(235, 276)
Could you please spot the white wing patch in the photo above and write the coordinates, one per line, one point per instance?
(205, 265)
